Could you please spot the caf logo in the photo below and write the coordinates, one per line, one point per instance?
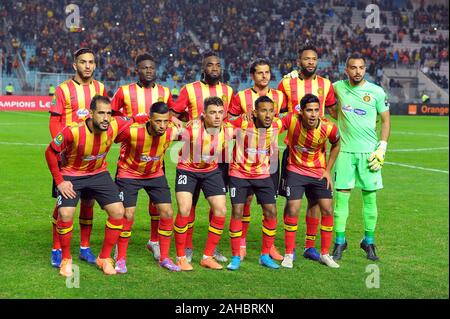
(366, 98)
(160, 99)
(320, 91)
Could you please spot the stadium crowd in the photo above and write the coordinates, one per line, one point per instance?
(239, 30)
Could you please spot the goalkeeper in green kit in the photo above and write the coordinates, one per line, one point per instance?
(362, 156)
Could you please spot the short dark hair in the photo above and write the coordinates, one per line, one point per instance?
(159, 107)
(207, 54)
(262, 99)
(307, 47)
(257, 62)
(212, 100)
(81, 51)
(143, 57)
(355, 56)
(308, 98)
(98, 98)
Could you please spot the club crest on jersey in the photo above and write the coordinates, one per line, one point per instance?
(82, 112)
(320, 91)
(160, 99)
(366, 98)
(58, 139)
(224, 99)
(53, 103)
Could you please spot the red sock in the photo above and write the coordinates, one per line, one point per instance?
(235, 235)
(245, 224)
(311, 231)
(86, 216)
(165, 233)
(113, 228)
(154, 221)
(180, 227)
(190, 230)
(56, 243)
(215, 231)
(124, 239)
(326, 233)
(269, 231)
(290, 232)
(64, 230)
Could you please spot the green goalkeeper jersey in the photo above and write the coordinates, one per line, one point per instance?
(357, 109)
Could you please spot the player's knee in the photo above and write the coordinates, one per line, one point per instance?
(166, 212)
(270, 211)
(292, 210)
(220, 211)
(129, 214)
(327, 211)
(237, 213)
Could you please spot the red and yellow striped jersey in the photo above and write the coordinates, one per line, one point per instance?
(142, 154)
(192, 96)
(83, 151)
(255, 149)
(244, 101)
(135, 99)
(307, 147)
(72, 100)
(202, 151)
(295, 89)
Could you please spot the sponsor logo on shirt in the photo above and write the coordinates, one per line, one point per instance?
(297, 107)
(348, 108)
(146, 158)
(256, 151)
(94, 157)
(302, 149)
(82, 112)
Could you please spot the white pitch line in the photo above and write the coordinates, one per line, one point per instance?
(414, 133)
(24, 144)
(418, 149)
(418, 167)
(35, 144)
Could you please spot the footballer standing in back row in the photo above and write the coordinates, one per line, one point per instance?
(70, 104)
(135, 99)
(191, 100)
(244, 102)
(295, 86)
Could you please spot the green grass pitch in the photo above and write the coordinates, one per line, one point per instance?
(411, 236)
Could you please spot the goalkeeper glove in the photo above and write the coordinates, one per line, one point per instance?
(292, 75)
(376, 159)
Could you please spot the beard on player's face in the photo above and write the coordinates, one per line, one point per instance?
(307, 72)
(211, 78)
(85, 75)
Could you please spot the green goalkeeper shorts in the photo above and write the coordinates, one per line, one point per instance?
(352, 169)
